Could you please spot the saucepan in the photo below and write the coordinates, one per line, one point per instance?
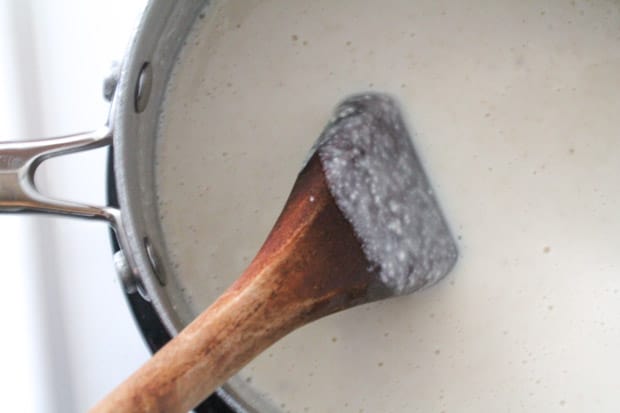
(473, 329)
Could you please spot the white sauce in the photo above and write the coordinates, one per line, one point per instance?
(515, 106)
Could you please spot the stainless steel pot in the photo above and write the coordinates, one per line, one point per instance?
(142, 260)
(131, 132)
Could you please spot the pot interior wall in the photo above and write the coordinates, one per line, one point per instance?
(137, 108)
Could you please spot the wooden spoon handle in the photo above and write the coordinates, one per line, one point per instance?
(311, 265)
(235, 329)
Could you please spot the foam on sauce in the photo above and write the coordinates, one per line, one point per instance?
(515, 107)
(376, 179)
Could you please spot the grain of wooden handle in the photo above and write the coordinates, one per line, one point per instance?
(211, 349)
(311, 265)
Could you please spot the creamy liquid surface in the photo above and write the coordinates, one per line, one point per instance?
(515, 107)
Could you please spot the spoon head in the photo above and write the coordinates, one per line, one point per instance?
(376, 178)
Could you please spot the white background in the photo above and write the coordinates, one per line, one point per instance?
(67, 334)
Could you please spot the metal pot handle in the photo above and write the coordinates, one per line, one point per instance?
(19, 161)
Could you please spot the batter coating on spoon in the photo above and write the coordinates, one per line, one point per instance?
(377, 181)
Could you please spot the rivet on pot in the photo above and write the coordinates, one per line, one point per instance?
(111, 81)
(143, 87)
(155, 262)
(131, 283)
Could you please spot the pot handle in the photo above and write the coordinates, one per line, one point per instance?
(19, 161)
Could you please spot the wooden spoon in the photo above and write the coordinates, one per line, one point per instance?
(361, 224)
